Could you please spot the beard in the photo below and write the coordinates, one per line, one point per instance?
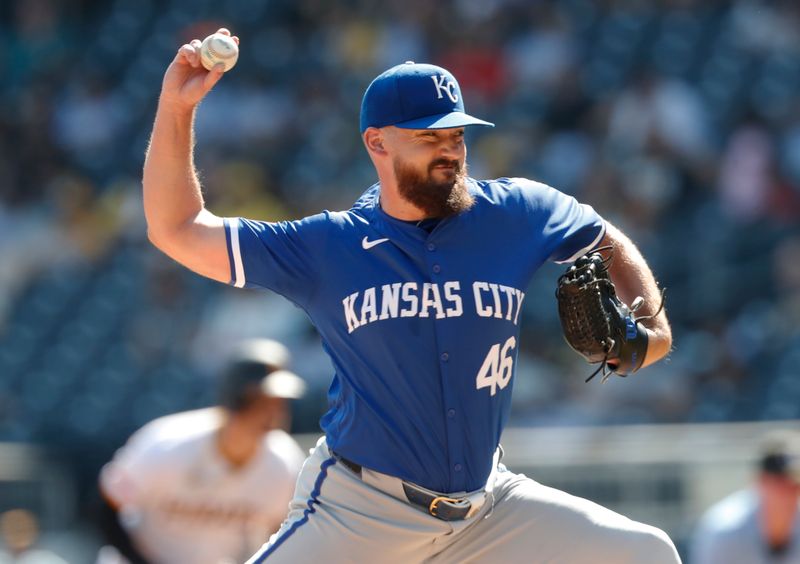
(437, 199)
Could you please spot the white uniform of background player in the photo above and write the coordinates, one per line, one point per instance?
(209, 486)
(760, 524)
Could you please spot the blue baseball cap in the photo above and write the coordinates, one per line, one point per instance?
(415, 96)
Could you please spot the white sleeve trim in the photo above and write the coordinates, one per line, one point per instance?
(586, 249)
(236, 252)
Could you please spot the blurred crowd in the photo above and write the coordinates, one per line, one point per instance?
(679, 121)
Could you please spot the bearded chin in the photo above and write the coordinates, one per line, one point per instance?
(438, 199)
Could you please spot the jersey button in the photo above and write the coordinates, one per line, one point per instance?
(451, 413)
(457, 468)
(437, 269)
(445, 357)
(431, 247)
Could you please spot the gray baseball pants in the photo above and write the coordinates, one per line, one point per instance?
(337, 516)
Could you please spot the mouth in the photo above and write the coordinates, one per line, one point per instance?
(445, 166)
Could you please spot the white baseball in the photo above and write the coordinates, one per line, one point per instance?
(219, 48)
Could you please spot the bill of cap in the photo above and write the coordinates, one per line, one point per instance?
(283, 384)
(266, 351)
(443, 121)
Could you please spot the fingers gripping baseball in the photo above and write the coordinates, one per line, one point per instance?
(187, 81)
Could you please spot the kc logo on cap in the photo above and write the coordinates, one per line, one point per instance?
(448, 88)
(415, 96)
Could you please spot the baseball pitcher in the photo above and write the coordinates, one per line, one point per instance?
(417, 293)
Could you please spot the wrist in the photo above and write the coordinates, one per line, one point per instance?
(175, 106)
(659, 345)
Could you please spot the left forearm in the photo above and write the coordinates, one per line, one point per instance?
(632, 277)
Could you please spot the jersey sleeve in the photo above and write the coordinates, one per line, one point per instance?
(283, 257)
(566, 229)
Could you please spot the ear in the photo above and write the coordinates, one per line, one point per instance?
(373, 139)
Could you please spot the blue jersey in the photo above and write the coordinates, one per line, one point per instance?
(422, 326)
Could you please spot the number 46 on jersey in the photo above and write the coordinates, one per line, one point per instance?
(497, 367)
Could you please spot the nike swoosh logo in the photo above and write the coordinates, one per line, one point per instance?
(369, 244)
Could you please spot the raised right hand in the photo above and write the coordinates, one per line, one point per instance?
(186, 80)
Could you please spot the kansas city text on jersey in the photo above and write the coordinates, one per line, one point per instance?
(430, 299)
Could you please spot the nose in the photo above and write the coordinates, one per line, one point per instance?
(451, 148)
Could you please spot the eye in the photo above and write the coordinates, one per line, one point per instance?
(427, 136)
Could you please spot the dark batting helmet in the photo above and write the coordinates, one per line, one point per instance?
(780, 453)
(258, 367)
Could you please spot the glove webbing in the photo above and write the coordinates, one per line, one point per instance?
(591, 310)
(588, 320)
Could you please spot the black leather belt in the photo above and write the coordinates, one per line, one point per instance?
(441, 507)
(356, 468)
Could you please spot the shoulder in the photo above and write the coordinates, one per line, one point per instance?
(316, 221)
(728, 531)
(346, 220)
(530, 194)
(368, 201)
(159, 450)
(729, 515)
(356, 218)
(319, 224)
(281, 446)
(170, 432)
